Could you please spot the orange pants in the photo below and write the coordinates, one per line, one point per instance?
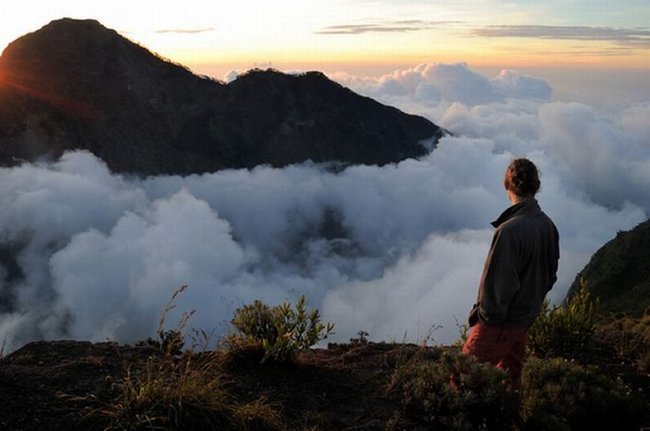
(502, 346)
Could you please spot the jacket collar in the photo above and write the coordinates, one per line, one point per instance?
(525, 207)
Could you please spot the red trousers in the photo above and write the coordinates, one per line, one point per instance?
(502, 346)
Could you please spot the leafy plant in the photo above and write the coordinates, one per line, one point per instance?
(564, 328)
(562, 395)
(279, 332)
(455, 392)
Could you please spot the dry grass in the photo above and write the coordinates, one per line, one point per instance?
(186, 393)
(181, 390)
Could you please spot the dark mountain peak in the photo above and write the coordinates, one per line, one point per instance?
(75, 84)
(74, 43)
(82, 53)
(63, 36)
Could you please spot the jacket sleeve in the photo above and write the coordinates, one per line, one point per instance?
(500, 279)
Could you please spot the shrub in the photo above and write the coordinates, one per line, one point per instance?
(455, 392)
(565, 328)
(278, 332)
(561, 395)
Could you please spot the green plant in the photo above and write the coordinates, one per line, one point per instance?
(455, 392)
(278, 332)
(564, 328)
(561, 395)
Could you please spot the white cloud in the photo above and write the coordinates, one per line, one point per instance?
(431, 84)
(389, 250)
(179, 240)
(634, 37)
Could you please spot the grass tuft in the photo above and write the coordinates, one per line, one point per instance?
(181, 391)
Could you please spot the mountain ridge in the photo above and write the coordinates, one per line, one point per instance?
(618, 273)
(75, 84)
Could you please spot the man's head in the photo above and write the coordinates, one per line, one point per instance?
(521, 179)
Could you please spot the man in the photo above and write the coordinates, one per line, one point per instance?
(520, 269)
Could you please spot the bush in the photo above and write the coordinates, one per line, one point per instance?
(565, 328)
(561, 395)
(455, 392)
(278, 332)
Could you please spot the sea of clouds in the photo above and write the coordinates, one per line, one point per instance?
(396, 251)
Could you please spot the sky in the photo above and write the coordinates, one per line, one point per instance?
(364, 34)
(561, 82)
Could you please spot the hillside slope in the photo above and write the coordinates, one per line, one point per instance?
(619, 272)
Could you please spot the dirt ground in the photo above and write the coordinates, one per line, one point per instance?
(48, 385)
(45, 385)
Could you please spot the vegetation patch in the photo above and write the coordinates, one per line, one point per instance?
(181, 390)
(275, 333)
(564, 329)
(561, 395)
(629, 337)
(183, 394)
(455, 392)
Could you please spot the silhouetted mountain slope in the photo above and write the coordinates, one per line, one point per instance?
(78, 85)
(619, 272)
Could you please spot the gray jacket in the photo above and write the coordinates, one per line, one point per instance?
(520, 268)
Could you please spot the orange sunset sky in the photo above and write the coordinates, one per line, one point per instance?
(366, 37)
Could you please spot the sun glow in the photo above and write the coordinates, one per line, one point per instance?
(347, 35)
(344, 31)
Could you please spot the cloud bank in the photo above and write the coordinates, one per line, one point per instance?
(635, 37)
(186, 30)
(397, 26)
(393, 250)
